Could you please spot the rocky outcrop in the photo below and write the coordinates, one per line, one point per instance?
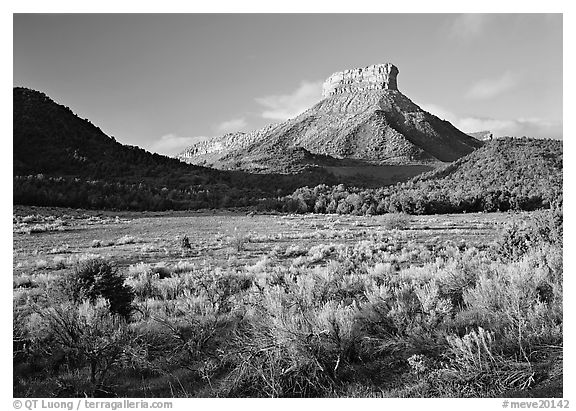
(219, 145)
(362, 117)
(375, 77)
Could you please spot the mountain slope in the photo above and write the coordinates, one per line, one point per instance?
(505, 163)
(365, 119)
(505, 174)
(49, 138)
(60, 159)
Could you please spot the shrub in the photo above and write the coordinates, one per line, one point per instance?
(281, 354)
(521, 301)
(547, 226)
(513, 243)
(83, 335)
(41, 264)
(185, 243)
(238, 242)
(142, 281)
(396, 221)
(127, 239)
(95, 278)
(296, 250)
(474, 358)
(183, 267)
(473, 351)
(542, 228)
(59, 263)
(162, 271)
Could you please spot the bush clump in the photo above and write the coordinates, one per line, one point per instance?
(96, 278)
(83, 336)
(546, 227)
(185, 243)
(396, 221)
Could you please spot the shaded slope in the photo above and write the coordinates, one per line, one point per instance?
(60, 159)
(49, 138)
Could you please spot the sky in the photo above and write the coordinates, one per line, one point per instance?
(165, 81)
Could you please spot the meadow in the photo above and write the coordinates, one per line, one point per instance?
(237, 304)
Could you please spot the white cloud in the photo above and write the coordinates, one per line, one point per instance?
(488, 88)
(467, 26)
(530, 127)
(230, 126)
(286, 106)
(171, 144)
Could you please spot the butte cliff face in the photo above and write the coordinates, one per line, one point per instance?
(375, 77)
(362, 118)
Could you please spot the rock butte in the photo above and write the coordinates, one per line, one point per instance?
(375, 77)
(362, 117)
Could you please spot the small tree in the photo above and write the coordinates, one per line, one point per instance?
(96, 278)
(185, 243)
(88, 334)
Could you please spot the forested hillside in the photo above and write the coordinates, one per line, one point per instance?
(63, 160)
(505, 174)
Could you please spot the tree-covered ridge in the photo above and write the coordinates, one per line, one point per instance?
(63, 160)
(508, 173)
(50, 139)
(505, 174)
(506, 162)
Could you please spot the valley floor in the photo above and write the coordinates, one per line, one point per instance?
(239, 304)
(130, 237)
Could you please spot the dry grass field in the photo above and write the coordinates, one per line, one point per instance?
(237, 304)
(48, 235)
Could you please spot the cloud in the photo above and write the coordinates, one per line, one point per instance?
(488, 88)
(171, 144)
(286, 106)
(530, 127)
(230, 126)
(468, 26)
